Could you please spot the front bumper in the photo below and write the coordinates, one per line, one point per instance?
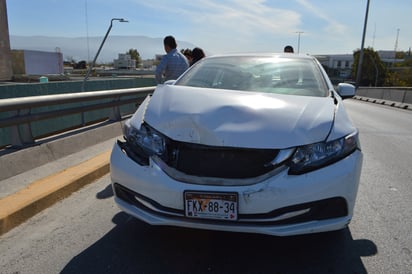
(282, 205)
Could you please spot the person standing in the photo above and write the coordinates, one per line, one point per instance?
(288, 49)
(188, 54)
(173, 64)
(197, 54)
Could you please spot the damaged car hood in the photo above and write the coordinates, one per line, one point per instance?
(238, 118)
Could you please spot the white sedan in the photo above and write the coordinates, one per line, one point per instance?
(255, 143)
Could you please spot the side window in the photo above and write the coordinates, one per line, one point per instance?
(203, 77)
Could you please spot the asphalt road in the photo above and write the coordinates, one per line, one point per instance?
(86, 233)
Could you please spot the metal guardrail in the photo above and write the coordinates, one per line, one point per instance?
(21, 113)
(20, 116)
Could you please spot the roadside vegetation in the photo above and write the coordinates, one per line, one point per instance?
(375, 72)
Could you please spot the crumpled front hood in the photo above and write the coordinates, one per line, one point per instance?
(237, 118)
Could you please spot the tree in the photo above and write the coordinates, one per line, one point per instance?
(373, 69)
(134, 54)
(400, 73)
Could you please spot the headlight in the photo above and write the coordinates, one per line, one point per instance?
(315, 156)
(144, 140)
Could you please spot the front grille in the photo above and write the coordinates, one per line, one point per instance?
(220, 162)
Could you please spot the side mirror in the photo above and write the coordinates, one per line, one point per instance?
(169, 82)
(346, 90)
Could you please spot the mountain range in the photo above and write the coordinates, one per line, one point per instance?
(83, 48)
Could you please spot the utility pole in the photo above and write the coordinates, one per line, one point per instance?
(396, 43)
(359, 72)
(299, 33)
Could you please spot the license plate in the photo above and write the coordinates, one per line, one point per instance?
(211, 205)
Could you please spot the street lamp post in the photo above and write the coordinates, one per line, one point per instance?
(359, 72)
(100, 48)
(299, 33)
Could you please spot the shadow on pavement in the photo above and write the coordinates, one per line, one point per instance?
(135, 247)
(107, 192)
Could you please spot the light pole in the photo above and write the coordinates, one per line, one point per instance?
(100, 48)
(299, 33)
(359, 72)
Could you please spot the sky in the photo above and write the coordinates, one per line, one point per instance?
(223, 26)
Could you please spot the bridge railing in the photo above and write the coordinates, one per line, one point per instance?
(25, 119)
(22, 120)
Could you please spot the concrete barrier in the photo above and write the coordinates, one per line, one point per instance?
(395, 97)
(408, 97)
(395, 94)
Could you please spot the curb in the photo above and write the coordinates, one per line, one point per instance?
(384, 102)
(39, 195)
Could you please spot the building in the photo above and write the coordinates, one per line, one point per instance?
(124, 61)
(33, 62)
(338, 65)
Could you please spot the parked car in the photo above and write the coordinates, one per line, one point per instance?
(255, 143)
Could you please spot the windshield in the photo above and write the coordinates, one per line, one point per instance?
(282, 75)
